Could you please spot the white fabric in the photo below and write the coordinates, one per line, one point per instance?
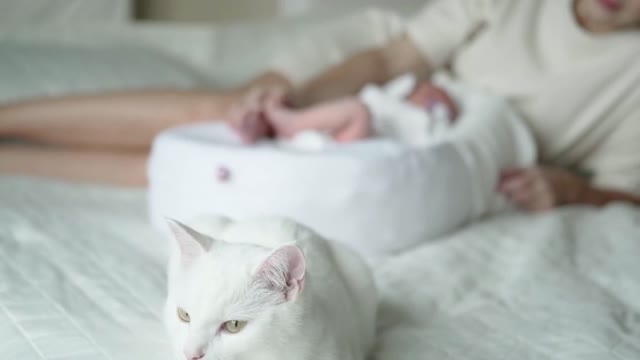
(393, 116)
(82, 277)
(378, 196)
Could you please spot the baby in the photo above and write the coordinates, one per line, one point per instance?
(404, 109)
(449, 143)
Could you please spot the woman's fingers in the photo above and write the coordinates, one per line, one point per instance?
(515, 182)
(509, 173)
(247, 127)
(248, 116)
(254, 99)
(274, 97)
(529, 189)
(533, 199)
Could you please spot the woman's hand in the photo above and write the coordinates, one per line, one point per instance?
(541, 188)
(248, 116)
(265, 114)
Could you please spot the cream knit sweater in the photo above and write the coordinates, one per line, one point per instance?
(579, 92)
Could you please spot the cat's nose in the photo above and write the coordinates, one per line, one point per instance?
(194, 356)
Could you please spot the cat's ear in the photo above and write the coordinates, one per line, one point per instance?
(191, 243)
(283, 270)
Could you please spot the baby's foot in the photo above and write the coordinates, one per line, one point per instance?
(285, 121)
(345, 120)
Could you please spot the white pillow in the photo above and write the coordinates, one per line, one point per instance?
(32, 70)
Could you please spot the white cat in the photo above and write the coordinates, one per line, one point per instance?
(267, 290)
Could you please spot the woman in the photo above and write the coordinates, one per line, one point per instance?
(569, 67)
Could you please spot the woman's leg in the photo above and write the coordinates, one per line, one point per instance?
(91, 166)
(121, 120)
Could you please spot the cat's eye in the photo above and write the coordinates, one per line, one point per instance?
(234, 326)
(183, 315)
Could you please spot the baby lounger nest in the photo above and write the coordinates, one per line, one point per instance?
(377, 196)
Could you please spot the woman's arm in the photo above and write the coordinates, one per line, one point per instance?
(129, 120)
(371, 66)
(543, 188)
(591, 195)
(431, 39)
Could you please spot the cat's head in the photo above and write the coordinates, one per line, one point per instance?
(227, 301)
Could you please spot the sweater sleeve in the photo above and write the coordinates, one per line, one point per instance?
(616, 162)
(444, 25)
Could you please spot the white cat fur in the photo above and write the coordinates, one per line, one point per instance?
(330, 316)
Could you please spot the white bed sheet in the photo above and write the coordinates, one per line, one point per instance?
(82, 277)
(82, 272)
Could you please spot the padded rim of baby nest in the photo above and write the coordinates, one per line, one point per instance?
(219, 135)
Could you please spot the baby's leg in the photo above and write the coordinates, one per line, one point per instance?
(345, 120)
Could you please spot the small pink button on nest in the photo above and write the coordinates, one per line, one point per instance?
(223, 174)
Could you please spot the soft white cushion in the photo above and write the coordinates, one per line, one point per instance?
(33, 69)
(377, 196)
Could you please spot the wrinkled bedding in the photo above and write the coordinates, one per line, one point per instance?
(82, 277)
(82, 272)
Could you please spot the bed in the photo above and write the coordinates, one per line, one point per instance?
(82, 272)
(82, 277)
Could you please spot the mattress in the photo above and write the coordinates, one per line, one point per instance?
(82, 276)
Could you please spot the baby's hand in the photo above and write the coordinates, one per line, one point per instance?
(346, 120)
